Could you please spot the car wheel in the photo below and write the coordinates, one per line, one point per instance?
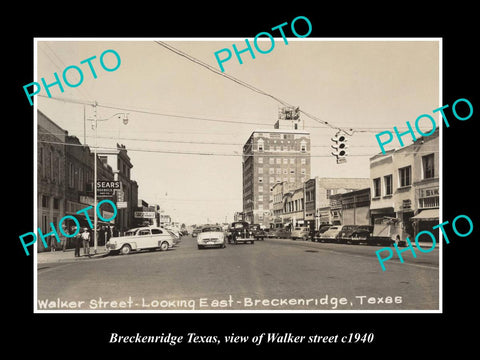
(200, 247)
(164, 246)
(126, 249)
(252, 242)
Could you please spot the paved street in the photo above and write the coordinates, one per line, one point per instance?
(275, 274)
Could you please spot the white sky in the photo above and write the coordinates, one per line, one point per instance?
(352, 84)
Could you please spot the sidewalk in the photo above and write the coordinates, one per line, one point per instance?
(68, 255)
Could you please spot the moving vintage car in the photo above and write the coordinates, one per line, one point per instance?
(300, 232)
(239, 231)
(211, 236)
(196, 231)
(141, 238)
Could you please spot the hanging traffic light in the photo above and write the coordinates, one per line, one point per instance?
(340, 146)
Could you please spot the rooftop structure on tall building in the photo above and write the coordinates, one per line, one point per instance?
(272, 156)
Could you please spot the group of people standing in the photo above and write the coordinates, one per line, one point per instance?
(85, 235)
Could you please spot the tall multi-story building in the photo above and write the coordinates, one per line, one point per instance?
(272, 156)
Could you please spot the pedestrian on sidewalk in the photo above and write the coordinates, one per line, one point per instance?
(86, 242)
(52, 244)
(78, 241)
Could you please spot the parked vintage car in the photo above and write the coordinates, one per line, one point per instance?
(331, 234)
(357, 234)
(258, 232)
(239, 231)
(211, 236)
(300, 232)
(320, 231)
(141, 238)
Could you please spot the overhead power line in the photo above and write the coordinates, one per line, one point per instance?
(190, 117)
(181, 152)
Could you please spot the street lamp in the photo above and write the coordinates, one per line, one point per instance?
(94, 125)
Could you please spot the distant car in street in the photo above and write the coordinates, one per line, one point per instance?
(282, 233)
(331, 234)
(211, 236)
(142, 238)
(258, 232)
(300, 232)
(196, 231)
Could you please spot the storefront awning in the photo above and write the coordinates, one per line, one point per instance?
(428, 214)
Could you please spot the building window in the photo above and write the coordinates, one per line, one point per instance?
(405, 175)
(271, 171)
(285, 161)
(292, 161)
(260, 170)
(271, 161)
(271, 180)
(260, 160)
(260, 197)
(329, 193)
(292, 171)
(44, 201)
(260, 145)
(71, 176)
(279, 171)
(80, 179)
(279, 161)
(260, 188)
(377, 190)
(285, 171)
(303, 147)
(388, 180)
(428, 171)
(304, 161)
(260, 179)
(260, 206)
(292, 180)
(56, 204)
(303, 171)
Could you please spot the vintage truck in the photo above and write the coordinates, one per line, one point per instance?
(388, 231)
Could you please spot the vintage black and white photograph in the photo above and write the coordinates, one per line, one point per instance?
(263, 174)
